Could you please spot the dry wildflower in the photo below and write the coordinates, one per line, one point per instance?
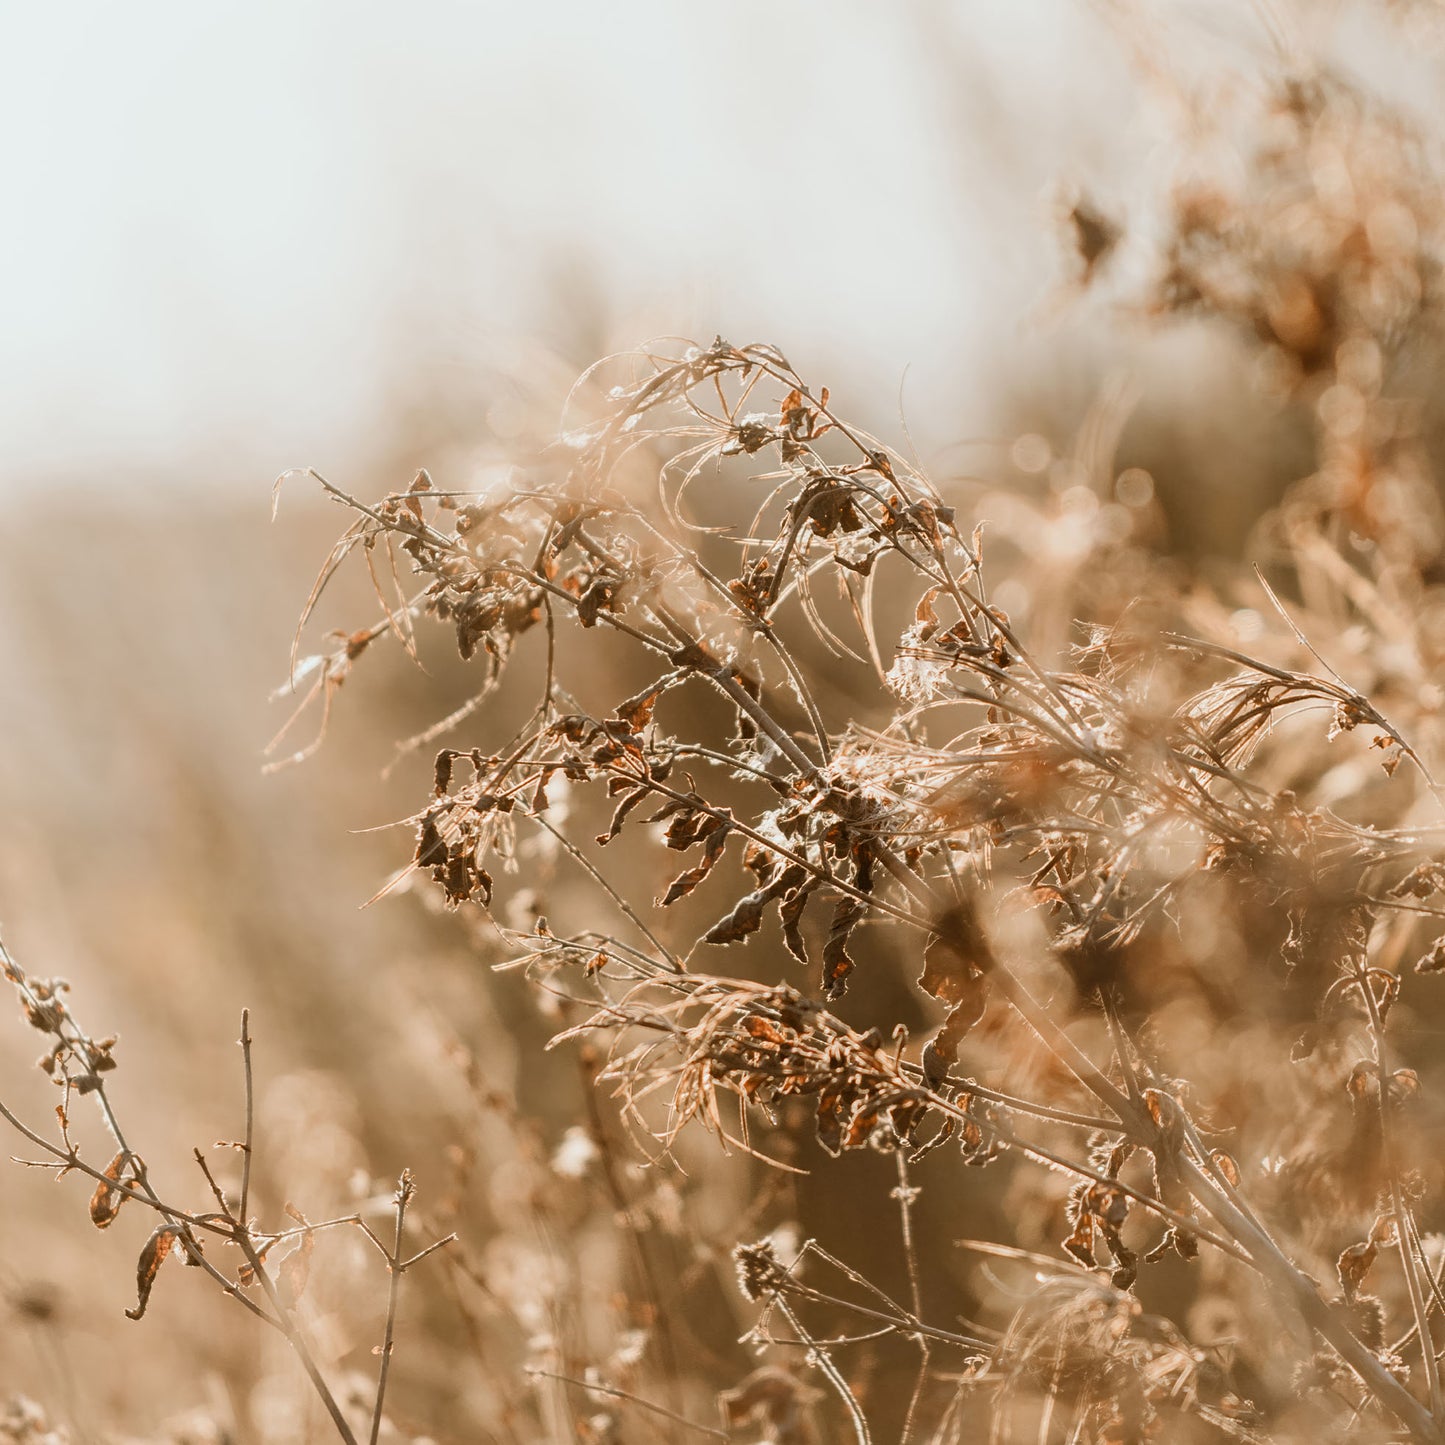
(1101, 905)
(1103, 793)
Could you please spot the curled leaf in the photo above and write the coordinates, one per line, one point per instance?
(1354, 1264)
(791, 913)
(1226, 1166)
(837, 965)
(716, 836)
(152, 1256)
(105, 1203)
(745, 918)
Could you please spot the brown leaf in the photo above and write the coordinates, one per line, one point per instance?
(1080, 1242)
(1354, 1264)
(1226, 1166)
(619, 817)
(957, 952)
(791, 913)
(961, 1018)
(1433, 960)
(925, 619)
(598, 596)
(636, 712)
(836, 963)
(716, 835)
(152, 1256)
(442, 772)
(830, 1119)
(430, 848)
(745, 918)
(105, 1203)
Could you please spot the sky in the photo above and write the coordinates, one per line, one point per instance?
(236, 231)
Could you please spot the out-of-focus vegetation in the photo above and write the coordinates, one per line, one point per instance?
(992, 911)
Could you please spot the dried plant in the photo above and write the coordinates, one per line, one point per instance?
(761, 717)
(1041, 834)
(274, 1264)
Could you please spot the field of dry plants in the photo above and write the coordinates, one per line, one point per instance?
(854, 955)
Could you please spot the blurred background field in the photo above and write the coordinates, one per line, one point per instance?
(249, 238)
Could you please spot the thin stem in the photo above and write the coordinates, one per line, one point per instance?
(248, 1140)
(905, 1193)
(820, 1357)
(1365, 985)
(405, 1189)
(597, 1388)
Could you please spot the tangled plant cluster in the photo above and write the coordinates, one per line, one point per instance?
(1107, 866)
(1164, 863)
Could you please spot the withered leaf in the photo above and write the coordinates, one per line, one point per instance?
(105, 1203)
(935, 1066)
(1080, 1242)
(689, 824)
(598, 596)
(860, 1128)
(765, 1029)
(957, 951)
(619, 817)
(152, 1256)
(540, 802)
(746, 918)
(1354, 1264)
(972, 1001)
(837, 965)
(716, 835)
(442, 771)
(1128, 1269)
(830, 1119)
(791, 913)
(1433, 960)
(945, 1132)
(925, 619)
(636, 712)
(1226, 1166)
(430, 849)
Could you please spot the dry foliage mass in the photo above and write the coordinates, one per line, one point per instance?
(1162, 855)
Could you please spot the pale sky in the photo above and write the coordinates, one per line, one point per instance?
(232, 229)
(234, 233)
